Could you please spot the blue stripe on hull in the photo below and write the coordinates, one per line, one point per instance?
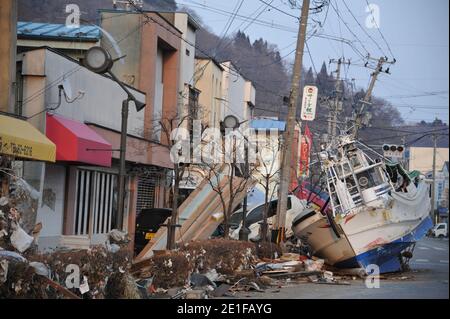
(387, 256)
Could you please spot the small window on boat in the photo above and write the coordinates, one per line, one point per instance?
(369, 178)
(355, 161)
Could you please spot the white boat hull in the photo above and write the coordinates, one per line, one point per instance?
(376, 233)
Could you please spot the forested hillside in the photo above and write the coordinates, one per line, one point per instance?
(257, 60)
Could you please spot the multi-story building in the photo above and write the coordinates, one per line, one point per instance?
(152, 45)
(239, 93)
(421, 158)
(208, 80)
(80, 112)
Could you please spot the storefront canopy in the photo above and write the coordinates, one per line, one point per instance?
(21, 139)
(76, 142)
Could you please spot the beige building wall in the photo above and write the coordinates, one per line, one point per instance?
(208, 75)
(421, 158)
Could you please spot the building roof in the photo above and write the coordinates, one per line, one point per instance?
(267, 124)
(201, 56)
(33, 30)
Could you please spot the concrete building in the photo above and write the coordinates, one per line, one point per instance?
(208, 80)
(78, 194)
(188, 94)
(239, 93)
(441, 190)
(421, 158)
(73, 42)
(269, 138)
(152, 65)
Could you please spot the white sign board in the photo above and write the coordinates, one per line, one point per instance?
(309, 104)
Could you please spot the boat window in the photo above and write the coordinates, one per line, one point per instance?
(355, 161)
(346, 168)
(369, 178)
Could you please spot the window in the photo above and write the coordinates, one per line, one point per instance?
(145, 194)
(193, 109)
(369, 178)
(188, 53)
(96, 203)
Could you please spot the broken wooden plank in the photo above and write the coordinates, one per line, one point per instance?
(60, 288)
(293, 274)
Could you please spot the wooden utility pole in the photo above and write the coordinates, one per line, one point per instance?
(286, 152)
(368, 96)
(433, 185)
(8, 27)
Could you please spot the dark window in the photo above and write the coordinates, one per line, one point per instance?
(188, 53)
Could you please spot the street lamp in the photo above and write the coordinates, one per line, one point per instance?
(232, 122)
(99, 60)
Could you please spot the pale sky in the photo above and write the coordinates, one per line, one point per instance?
(416, 32)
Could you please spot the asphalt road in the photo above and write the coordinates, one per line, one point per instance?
(428, 278)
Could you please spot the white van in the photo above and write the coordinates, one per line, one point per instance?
(440, 230)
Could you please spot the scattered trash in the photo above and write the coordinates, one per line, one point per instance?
(4, 201)
(20, 239)
(198, 280)
(3, 271)
(11, 255)
(314, 265)
(118, 237)
(84, 286)
(195, 294)
(221, 291)
(40, 269)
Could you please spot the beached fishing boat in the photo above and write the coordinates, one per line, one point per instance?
(376, 213)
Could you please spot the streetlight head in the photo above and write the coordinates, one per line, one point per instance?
(139, 105)
(98, 60)
(231, 122)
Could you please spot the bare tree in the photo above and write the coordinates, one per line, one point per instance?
(238, 181)
(267, 171)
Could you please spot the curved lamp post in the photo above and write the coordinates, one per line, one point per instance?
(99, 60)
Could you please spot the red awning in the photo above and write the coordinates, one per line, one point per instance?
(76, 142)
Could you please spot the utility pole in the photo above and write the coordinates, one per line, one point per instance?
(433, 186)
(337, 105)
(8, 25)
(368, 96)
(286, 152)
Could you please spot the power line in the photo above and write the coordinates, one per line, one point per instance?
(229, 23)
(279, 10)
(362, 28)
(378, 28)
(350, 30)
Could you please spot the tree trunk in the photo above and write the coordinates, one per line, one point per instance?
(264, 227)
(174, 217)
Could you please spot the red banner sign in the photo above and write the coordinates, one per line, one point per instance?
(305, 152)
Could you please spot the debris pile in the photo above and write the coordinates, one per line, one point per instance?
(99, 272)
(221, 268)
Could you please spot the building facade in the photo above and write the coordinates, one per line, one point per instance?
(78, 194)
(152, 45)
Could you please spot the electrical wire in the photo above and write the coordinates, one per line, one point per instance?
(364, 29)
(379, 30)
